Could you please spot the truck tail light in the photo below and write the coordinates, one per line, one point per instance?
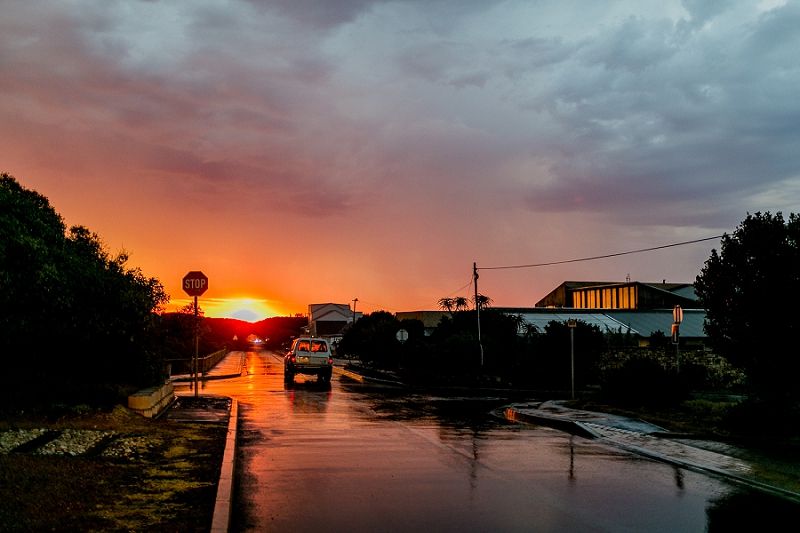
(330, 360)
(293, 359)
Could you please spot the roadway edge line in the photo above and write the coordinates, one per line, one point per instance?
(351, 375)
(221, 521)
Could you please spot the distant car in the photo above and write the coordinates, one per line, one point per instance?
(310, 356)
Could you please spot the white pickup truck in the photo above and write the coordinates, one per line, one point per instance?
(308, 355)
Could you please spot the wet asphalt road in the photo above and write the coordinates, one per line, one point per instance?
(355, 457)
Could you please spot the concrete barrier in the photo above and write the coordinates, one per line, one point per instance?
(150, 402)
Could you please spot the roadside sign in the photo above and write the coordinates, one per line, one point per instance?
(402, 335)
(677, 314)
(675, 334)
(195, 283)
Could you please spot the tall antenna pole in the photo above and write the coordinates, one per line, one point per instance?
(477, 306)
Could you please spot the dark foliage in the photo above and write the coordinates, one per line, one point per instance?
(619, 338)
(513, 351)
(745, 511)
(759, 417)
(642, 382)
(659, 339)
(553, 362)
(455, 343)
(79, 314)
(373, 340)
(750, 291)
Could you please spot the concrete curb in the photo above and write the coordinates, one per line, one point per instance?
(577, 428)
(222, 509)
(697, 467)
(242, 362)
(563, 424)
(362, 379)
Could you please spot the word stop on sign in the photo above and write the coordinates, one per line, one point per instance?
(194, 283)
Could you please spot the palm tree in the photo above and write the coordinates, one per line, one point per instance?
(518, 322)
(483, 301)
(530, 330)
(447, 304)
(460, 303)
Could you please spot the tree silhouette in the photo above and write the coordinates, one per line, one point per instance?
(482, 300)
(750, 291)
(76, 311)
(447, 304)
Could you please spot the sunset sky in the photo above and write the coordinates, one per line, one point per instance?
(301, 151)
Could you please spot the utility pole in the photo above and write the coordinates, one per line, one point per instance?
(477, 306)
(355, 301)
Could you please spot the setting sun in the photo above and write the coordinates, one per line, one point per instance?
(247, 309)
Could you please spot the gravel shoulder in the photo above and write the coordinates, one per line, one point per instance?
(108, 472)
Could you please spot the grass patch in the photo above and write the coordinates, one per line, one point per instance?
(169, 487)
(699, 417)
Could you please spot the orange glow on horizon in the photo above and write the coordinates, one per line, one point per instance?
(242, 308)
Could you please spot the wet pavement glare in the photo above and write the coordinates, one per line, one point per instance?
(347, 456)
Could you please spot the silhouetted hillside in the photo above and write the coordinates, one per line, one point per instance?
(276, 331)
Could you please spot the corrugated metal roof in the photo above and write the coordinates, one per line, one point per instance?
(686, 292)
(647, 322)
(642, 322)
(601, 320)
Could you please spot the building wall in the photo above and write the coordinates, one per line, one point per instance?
(557, 298)
(604, 295)
(329, 319)
(618, 297)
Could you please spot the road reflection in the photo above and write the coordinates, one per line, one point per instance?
(309, 396)
(350, 457)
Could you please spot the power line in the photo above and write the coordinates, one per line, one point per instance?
(377, 306)
(447, 296)
(602, 256)
(386, 307)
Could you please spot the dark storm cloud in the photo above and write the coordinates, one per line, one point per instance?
(675, 116)
(559, 107)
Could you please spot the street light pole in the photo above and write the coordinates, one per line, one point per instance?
(572, 324)
(355, 301)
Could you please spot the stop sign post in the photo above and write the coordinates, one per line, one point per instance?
(195, 283)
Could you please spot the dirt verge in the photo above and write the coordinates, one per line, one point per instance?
(146, 476)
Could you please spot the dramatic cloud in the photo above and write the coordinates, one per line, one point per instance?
(407, 139)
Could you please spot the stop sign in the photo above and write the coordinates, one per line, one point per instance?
(195, 283)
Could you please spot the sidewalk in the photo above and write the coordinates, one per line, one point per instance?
(230, 366)
(652, 441)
